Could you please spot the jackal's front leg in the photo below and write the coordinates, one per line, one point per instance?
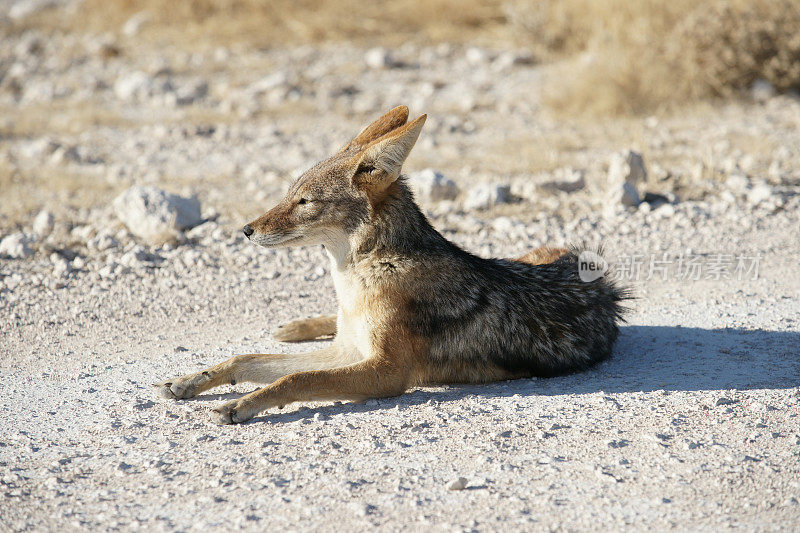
(254, 368)
(370, 378)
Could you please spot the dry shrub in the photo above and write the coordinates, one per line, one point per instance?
(726, 46)
(556, 28)
(639, 56)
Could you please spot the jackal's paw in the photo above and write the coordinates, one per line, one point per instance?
(180, 388)
(230, 413)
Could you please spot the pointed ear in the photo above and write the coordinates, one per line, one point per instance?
(379, 164)
(391, 120)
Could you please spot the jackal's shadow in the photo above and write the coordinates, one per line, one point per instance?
(646, 358)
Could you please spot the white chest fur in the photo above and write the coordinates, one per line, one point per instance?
(353, 325)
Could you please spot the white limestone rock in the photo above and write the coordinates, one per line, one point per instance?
(156, 216)
(432, 186)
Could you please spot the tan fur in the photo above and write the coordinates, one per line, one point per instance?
(542, 255)
(388, 122)
(413, 308)
(306, 329)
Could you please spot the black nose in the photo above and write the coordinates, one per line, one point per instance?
(247, 231)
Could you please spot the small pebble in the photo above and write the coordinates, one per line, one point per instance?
(458, 484)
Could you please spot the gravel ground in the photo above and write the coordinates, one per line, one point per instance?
(693, 424)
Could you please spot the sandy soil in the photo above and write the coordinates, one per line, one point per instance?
(693, 424)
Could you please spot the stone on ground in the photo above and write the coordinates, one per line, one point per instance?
(432, 186)
(156, 216)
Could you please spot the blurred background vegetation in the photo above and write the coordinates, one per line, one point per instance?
(614, 56)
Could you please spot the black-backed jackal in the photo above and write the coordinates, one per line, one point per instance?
(414, 308)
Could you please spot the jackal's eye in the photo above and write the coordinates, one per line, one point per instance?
(302, 201)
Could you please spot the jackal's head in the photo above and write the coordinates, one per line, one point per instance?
(335, 197)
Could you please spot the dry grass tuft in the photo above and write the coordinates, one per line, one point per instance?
(633, 57)
(260, 23)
